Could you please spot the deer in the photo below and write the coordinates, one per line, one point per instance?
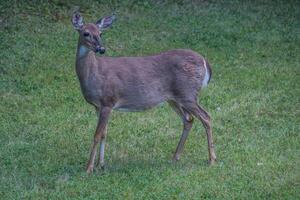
(139, 83)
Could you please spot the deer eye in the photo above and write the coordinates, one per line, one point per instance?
(86, 34)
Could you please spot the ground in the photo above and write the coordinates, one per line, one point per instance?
(46, 127)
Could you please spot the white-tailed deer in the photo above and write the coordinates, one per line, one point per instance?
(139, 83)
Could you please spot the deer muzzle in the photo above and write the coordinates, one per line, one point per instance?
(100, 50)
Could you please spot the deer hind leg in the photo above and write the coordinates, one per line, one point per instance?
(187, 125)
(98, 137)
(204, 117)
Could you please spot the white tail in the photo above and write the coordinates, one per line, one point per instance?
(207, 75)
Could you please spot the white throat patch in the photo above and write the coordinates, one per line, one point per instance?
(82, 51)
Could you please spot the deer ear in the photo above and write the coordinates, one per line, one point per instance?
(105, 22)
(77, 20)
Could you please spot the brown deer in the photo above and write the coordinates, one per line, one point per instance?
(139, 83)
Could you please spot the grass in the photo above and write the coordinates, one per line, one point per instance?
(47, 127)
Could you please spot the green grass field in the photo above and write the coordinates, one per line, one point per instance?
(46, 127)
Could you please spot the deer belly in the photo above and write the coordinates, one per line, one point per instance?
(134, 108)
(137, 102)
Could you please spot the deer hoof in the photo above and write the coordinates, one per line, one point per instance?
(175, 158)
(212, 161)
(102, 167)
(89, 170)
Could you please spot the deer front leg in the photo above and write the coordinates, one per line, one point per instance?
(101, 151)
(99, 136)
(100, 161)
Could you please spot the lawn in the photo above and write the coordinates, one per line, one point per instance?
(46, 127)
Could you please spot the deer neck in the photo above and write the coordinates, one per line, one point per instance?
(84, 53)
(86, 61)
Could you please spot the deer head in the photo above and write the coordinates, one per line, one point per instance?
(90, 35)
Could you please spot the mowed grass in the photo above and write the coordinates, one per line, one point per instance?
(253, 98)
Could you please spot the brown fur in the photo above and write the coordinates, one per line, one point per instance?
(140, 83)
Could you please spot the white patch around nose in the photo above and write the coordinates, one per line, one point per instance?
(82, 51)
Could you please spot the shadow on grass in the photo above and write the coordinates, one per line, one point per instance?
(129, 165)
(119, 166)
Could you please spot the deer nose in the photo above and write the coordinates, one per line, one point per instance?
(101, 50)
